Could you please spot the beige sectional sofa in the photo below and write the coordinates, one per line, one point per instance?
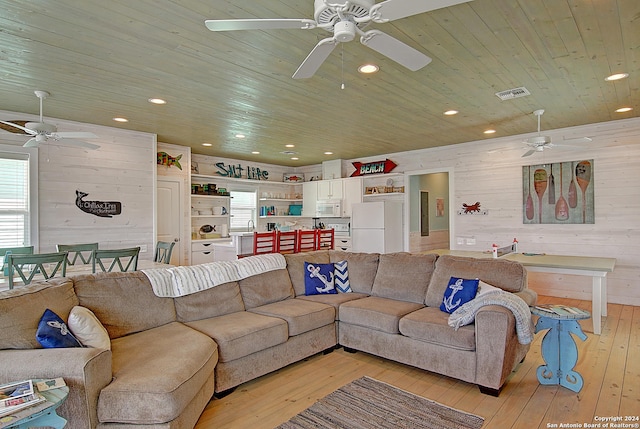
(170, 355)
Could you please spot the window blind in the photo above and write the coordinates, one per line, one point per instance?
(243, 209)
(14, 199)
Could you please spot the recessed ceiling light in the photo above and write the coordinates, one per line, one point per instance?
(616, 76)
(451, 112)
(368, 68)
(207, 144)
(289, 145)
(255, 152)
(240, 136)
(295, 158)
(489, 131)
(119, 119)
(624, 109)
(157, 101)
(328, 153)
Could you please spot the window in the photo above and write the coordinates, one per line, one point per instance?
(18, 199)
(243, 209)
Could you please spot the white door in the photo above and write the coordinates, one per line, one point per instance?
(169, 209)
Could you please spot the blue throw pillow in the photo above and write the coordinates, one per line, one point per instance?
(54, 333)
(318, 279)
(458, 292)
(341, 273)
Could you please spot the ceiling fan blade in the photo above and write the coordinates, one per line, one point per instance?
(32, 143)
(529, 153)
(576, 140)
(74, 135)
(392, 48)
(20, 127)
(259, 24)
(316, 57)
(395, 9)
(77, 143)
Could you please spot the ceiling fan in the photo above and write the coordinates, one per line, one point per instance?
(346, 19)
(42, 132)
(539, 143)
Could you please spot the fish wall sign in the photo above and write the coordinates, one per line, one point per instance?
(98, 208)
(165, 159)
(238, 171)
(375, 167)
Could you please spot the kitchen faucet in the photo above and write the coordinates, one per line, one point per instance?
(251, 226)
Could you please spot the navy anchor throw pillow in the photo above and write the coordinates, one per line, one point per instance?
(318, 279)
(54, 333)
(458, 292)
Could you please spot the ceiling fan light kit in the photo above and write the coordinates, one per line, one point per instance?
(346, 19)
(539, 143)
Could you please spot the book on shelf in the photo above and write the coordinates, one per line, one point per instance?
(562, 310)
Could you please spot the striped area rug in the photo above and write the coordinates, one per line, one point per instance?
(370, 404)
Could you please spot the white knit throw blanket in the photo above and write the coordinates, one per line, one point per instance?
(466, 313)
(180, 281)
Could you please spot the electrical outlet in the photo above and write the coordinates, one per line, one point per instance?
(471, 241)
(460, 240)
(143, 248)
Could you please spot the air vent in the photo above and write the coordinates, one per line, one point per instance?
(513, 93)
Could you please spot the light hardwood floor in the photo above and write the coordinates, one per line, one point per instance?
(609, 364)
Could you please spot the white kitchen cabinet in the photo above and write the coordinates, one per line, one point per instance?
(352, 190)
(330, 189)
(309, 198)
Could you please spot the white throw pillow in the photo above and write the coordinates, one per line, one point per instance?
(485, 288)
(87, 328)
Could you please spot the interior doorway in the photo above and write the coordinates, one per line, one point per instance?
(169, 218)
(429, 209)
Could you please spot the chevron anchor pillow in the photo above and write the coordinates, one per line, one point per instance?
(341, 277)
(458, 292)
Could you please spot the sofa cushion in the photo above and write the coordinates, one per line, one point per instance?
(301, 316)
(404, 276)
(123, 302)
(362, 268)
(335, 300)
(88, 329)
(295, 266)
(318, 279)
(458, 292)
(21, 309)
(429, 324)
(150, 384)
(216, 301)
(381, 314)
(508, 275)
(242, 333)
(266, 288)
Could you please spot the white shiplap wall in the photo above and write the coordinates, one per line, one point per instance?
(122, 169)
(490, 171)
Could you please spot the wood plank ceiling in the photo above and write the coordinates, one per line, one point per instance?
(101, 59)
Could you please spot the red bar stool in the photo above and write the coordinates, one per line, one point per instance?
(287, 241)
(264, 242)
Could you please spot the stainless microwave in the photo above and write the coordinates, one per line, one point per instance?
(329, 208)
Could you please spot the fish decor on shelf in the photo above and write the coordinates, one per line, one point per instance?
(165, 159)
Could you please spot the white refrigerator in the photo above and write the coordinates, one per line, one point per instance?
(376, 227)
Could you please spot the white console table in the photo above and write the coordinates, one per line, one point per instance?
(594, 267)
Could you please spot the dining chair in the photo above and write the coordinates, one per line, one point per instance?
(163, 251)
(307, 240)
(27, 266)
(23, 250)
(124, 259)
(287, 241)
(264, 242)
(82, 251)
(326, 239)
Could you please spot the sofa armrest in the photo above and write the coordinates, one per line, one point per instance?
(85, 370)
(497, 346)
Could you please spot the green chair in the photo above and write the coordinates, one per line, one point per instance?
(82, 251)
(28, 266)
(163, 252)
(24, 250)
(124, 259)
